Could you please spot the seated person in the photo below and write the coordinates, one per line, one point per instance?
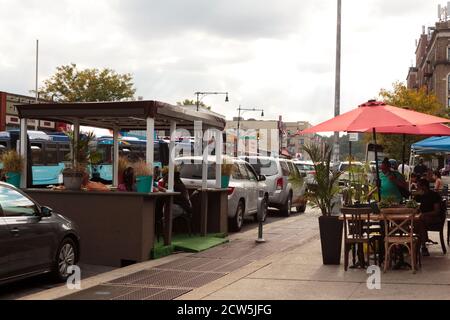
(413, 182)
(181, 202)
(129, 181)
(430, 208)
(438, 185)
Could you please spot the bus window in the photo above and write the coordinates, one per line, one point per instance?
(37, 156)
(63, 152)
(156, 153)
(106, 152)
(51, 153)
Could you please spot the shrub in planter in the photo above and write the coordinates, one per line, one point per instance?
(12, 167)
(322, 195)
(226, 170)
(144, 176)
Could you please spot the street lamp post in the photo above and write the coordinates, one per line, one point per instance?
(200, 95)
(240, 111)
(337, 100)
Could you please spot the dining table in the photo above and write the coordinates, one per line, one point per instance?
(398, 213)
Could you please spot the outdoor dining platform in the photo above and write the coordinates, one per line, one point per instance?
(119, 228)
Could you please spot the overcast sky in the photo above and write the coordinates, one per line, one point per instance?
(278, 55)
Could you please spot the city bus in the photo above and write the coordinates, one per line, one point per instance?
(134, 149)
(46, 155)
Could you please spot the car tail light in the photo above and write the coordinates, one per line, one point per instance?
(230, 190)
(280, 184)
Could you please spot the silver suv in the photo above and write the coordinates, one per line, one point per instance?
(247, 195)
(284, 182)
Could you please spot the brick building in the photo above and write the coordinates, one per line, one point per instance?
(9, 118)
(296, 141)
(432, 68)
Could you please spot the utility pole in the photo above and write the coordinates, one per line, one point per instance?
(337, 100)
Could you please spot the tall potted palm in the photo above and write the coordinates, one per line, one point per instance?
(79, 159)
(322, 194)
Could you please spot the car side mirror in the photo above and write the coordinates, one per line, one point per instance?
(303, 174)
(46, 211)
(262, 178)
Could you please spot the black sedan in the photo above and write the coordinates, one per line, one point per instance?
(33, 239)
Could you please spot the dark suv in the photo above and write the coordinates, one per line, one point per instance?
(33, 239)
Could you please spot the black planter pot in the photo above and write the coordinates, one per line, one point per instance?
(331, 239)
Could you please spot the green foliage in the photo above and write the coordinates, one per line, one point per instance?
(388, 202)
(12, 161)
(187, 102)
(323, 192)
(416, 100)
(412, 204)
(358, 148)
(358, 188)
(70, 84)
(81, 154)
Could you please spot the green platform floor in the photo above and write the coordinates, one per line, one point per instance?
(186, 243)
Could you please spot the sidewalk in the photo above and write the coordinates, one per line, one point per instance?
(298, 274)
(287, 266)
(178, 274)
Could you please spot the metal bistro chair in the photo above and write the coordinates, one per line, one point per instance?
(439, 227)
(399, 231)
(357, 232)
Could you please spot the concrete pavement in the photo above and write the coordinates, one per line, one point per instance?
(289, 266)
(298, 274)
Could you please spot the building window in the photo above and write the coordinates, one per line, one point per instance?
(448, 53)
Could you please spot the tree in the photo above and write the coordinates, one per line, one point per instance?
(69, 84)
(417, 100)
(188, 102)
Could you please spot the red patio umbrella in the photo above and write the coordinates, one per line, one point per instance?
(374, 116)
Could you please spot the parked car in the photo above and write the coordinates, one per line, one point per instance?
(307, 171)
(33, 239)
(344, 168)
(247, 195)
(283, 182)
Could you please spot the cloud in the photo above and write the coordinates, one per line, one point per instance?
(247, 19)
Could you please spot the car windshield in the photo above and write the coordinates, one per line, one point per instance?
(305, 167)
(194, 171)
(265, 167)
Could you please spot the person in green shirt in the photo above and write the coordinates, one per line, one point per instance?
(391, 182)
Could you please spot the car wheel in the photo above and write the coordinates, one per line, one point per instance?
(238, 220)
(66, 256)
(301, 209)
(286, 210)
(264, 210)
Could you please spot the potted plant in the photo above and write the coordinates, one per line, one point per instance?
(12, 166)
(226, 170)
(323, 194)
(79, 157)
(144, 176)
